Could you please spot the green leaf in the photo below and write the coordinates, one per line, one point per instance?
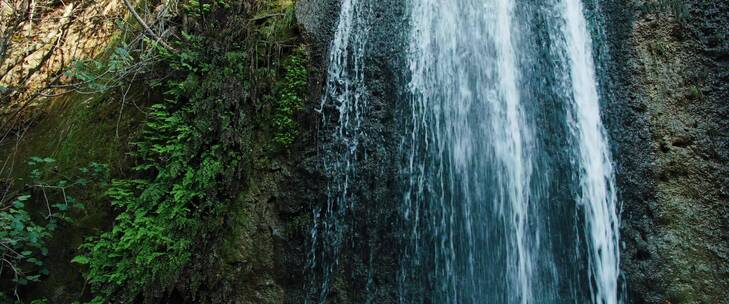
(80, 259)
(122, 52)
(18, 225)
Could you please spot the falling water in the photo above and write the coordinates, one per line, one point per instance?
(509, 192)
(470, 146)
(506, 187)
(596, 172)
(344, 97)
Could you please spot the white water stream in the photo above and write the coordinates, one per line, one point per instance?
(508, 193)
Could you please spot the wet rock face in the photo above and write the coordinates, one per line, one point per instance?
(367, 267)
(668, 116)
(318, 20)
(666, 86)
(375, 259)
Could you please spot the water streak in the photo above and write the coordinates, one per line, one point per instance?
(596, 174)
(343, 97)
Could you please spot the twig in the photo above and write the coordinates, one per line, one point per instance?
(15, 270)
(146, 27)
(30, 19)
(121, 110)
(11, 266)
(11, 249)
(47, 203)
(28, 102)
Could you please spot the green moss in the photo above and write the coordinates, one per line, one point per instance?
(241, 226)
(75, 130)
(695, 93)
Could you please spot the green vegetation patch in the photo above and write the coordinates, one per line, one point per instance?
(290, 94)
(235, 74)
(25, 231)
(194, 150)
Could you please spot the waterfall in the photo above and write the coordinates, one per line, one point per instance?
(596, 173)
(506, 186)
(469, 133)
(344, 93)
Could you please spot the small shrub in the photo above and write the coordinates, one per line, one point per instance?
(25, 230)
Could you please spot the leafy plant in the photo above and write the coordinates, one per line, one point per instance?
(152, 235)
(191, 153)
(290, 93)
(187, 156)
(24, 230)
(196, 8)
(122, 66)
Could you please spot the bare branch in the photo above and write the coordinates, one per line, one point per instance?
(149, 31)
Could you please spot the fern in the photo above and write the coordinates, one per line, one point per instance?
(190, 155)
(290, 94)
